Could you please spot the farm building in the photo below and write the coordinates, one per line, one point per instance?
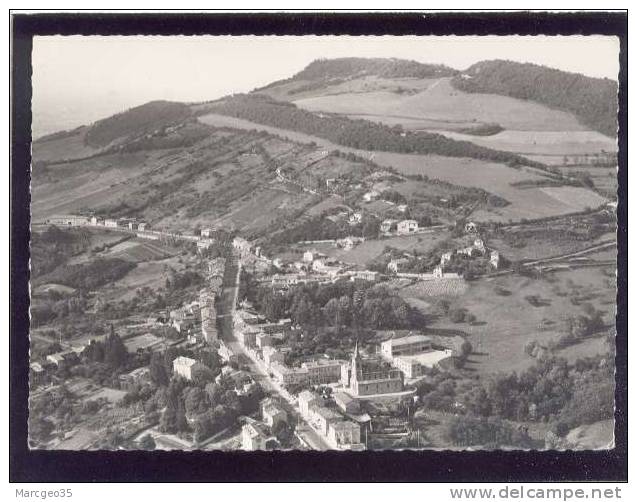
(407, 226)
(387, 225)
(69, 220)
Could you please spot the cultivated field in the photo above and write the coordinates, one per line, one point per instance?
(435, 289)
(437, 100)
(541, 142)
(492, 177)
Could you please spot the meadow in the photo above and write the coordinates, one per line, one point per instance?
(506, 321)
(438, 100)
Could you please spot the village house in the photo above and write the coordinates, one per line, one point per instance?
(69, 220)
(272, 355)
(445, 258)
(494, 260)
(142, 225)
(407, 227)
(247, 337)
(182, 366)
(138, 376)
(402, 207)
(288, 376)
(307, 401)
(206, 232)
(324, 417)
(254, 437)
(470, 227)
(370, 196)
(346, 403)
(308, 256)
(344, 434)
(36, 373)
(273, 413)
(365, 275)
(204, 244)
(110, 223)
(242, 245)
(263, 340)
(396, 265)
(63, 359)
(322, 371)
(348, 243)
(355, 218)
(95, 221)
(387, 225)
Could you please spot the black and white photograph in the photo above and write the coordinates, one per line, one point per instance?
(336, 243)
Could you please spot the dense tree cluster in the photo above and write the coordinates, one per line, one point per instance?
(343, 303)
(320, 228)
(551, 390)
(360, 133)
(93, 274)
(592, 100)
(53, 246)
(380, 67)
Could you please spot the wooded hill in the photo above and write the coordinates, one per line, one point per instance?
(592, 100)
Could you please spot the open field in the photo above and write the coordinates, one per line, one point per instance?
(541, 142)
(604, 178)
(434, 289)
(507, 321)
(151, 274)
(437, 99)
(492, 177)
(137, 250)
(367, 251)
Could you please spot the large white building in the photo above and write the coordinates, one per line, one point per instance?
(407, 226)
(182, 366)
(407, 345)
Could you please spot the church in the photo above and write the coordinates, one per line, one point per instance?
(366, 378)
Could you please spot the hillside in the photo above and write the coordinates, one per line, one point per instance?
(139, 120)
(592, 100)
(359, 133)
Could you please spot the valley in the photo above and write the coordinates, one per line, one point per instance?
(247, 272)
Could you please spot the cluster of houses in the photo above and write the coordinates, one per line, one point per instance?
(208, 297)
(340, 424)
(316, 268)
(399, 227)
(257, 435)
(95, 221)
(477, 248)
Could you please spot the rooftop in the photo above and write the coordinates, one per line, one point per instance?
(406, 340)
(327, 414)
(428, 359)
(306, 395)
(184, 361)
(344, 425)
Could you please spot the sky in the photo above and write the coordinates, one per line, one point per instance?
(77, 79)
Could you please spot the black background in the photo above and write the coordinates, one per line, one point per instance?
(427, 466)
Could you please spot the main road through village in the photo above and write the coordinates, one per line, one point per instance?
(258, 370)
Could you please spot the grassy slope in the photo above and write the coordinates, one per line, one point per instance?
(441, 102)
(506, 323)
(495, 178)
